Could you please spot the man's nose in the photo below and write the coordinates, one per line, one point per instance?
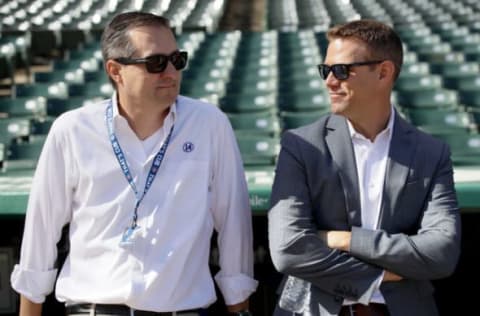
(331, 80)
(170, 69)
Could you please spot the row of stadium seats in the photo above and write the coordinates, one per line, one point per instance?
(432, 28)
(288, 15)
(264, 81)
(66, 24)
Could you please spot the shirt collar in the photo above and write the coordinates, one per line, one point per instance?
(171, 116)
(388, 128)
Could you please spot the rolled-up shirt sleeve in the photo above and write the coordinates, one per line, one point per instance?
(47, 212)
(33, 284)
(233, 220)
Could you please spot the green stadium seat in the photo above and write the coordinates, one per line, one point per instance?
(441, 118)
(55, 107)
(410, 58)
(469, 91)
(472, 53)
(452, 73)
(240, 85)
(300, 69)
(95, 75)
(465, 148)
(41, 126)
(234, 103)
(424, 42)
(435, 52)
(466, 42)
(86, 51)
(475, 112)
(453, 58)
(53, 90)
(450, 31)
(255, 58)
(11, 128)
(411, 31)
(258, 150)
(429, 99)
(416, 83)
(263, 123)
(30, 149)
(74, 76)
(296, 119)
(87, 63)
(253, 41)
(203, 87)
(205, 72)
(302, 85)
(22, 107)
(292, 41)
(304, 101)
(91, 89)
(415, 70)
(251, 74)
(24, 154)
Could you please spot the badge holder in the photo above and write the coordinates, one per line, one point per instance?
(128, 236)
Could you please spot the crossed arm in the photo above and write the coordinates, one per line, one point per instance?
(337, 239)
(360, 256)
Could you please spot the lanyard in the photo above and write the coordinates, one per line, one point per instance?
(117, 150)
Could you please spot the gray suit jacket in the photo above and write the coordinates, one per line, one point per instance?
(316, 188)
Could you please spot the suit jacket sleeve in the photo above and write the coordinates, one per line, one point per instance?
(295, 247)
(432, 250)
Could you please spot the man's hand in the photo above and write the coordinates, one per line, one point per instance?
(242, 306)
(336, 239)
(391, 277)
(29, 308)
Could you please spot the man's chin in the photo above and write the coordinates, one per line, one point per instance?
(337, 109)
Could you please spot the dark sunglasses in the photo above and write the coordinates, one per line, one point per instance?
(158, 63)
(342, 71)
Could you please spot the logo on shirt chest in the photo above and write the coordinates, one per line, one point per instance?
(188, 147)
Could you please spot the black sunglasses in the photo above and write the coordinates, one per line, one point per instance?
(342, 71)
(158, 63)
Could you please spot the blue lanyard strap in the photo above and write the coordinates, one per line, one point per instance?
(117, 150)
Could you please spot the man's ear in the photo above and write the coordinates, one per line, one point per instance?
(113, 70)
(387, 71)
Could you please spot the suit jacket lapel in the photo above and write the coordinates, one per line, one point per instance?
(340, 145)
(400, 159)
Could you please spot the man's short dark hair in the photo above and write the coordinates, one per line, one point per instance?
(116, 41)
(381, 40)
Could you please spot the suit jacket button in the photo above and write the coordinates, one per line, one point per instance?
(338, 298)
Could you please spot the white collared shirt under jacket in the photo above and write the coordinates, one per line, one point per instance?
(199, 187)
(371, 161)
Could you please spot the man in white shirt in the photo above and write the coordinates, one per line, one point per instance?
(364, 211)
(143, 179)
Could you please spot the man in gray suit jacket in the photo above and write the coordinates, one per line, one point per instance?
(364, 211)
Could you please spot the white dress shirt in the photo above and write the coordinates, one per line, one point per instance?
(371, 160)
(199, 187)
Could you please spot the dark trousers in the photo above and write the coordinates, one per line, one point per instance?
(373, 309)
